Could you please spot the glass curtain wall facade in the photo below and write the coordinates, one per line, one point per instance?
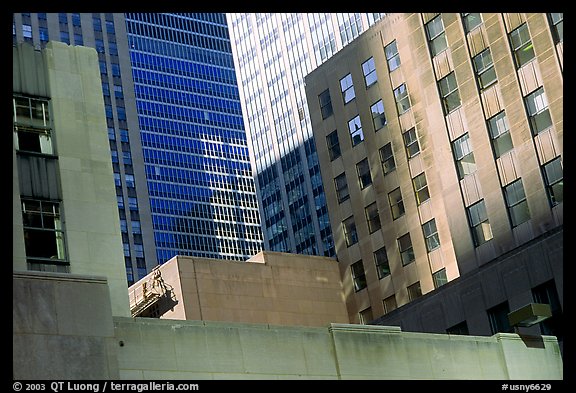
(273, 52)
(106, 32)
(201, 190)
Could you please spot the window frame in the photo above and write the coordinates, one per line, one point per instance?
(386, 159)
(369, 72)
(392, 58)
(448, 92)
(410, 139)
(325, 104)
(357, 132)
(358, 277)
(462, 145)
(501, 138)
(414, 291)
(382, 264)
(431, 235)
(522, 46)
(483, 68)
(554, 26)
(434, 39)
(350, 231)
(439, 281)
(406, 249)
(340, 190)
(49, 225)
(550, 184)
(465, 21)
(402, 98)
(479, 223)
(420, 188)
(363, 172)
(372, 216)
(333, 143)
(396, 202)
(520, 200)
(537, 108)
(380, 115)
(347, 84)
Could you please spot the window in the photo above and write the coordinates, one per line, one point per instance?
(325, 104)
(389, 304)
(498, 317)
(31, 129)
(117, 181)
(406, 250)
(431, 236)
(478, 220)
(126, 247)
(133, 203)
(449, 92)
(382, 265)
(538, 112)
(557, 22)
(396, 204)
(366, 316)
(127, 157)
(43, 232)
(355, 128)
(387, 158)
(130, 181)
(500, 134)
(341, 187)
(516, 203)
(136, 228)
(460, 328)
(463, 155)
(554, 180)
(369, 71)
(76, 20)
(350, 234)
(123, 226)
(485, 72)
(363, 170)
(139, 250)
(436, 36)
(120, 201)
(372, 217)
(27, 31)
(97, 23)
(43, 34)
(546, 293)
(392, 56)
(421, 188)
(402, 100)
(333, 145)
(414, 291)
(78, 39)
(378, 116)
(411, 142)
(471, 21)
(358, 276)
(347, 88)
(439, 278)
(521, 45)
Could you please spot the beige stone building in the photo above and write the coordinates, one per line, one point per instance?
(440, 143)
(65, 214)
(270, 288)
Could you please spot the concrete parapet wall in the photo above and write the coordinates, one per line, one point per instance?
(169, 349)
(62, 327)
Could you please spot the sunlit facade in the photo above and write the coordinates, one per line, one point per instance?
(273, 52)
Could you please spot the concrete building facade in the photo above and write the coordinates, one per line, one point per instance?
(64, 203)
(439, 138)
(63, 330)
(271, 287)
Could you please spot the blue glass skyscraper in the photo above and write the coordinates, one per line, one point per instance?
(201, 190)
